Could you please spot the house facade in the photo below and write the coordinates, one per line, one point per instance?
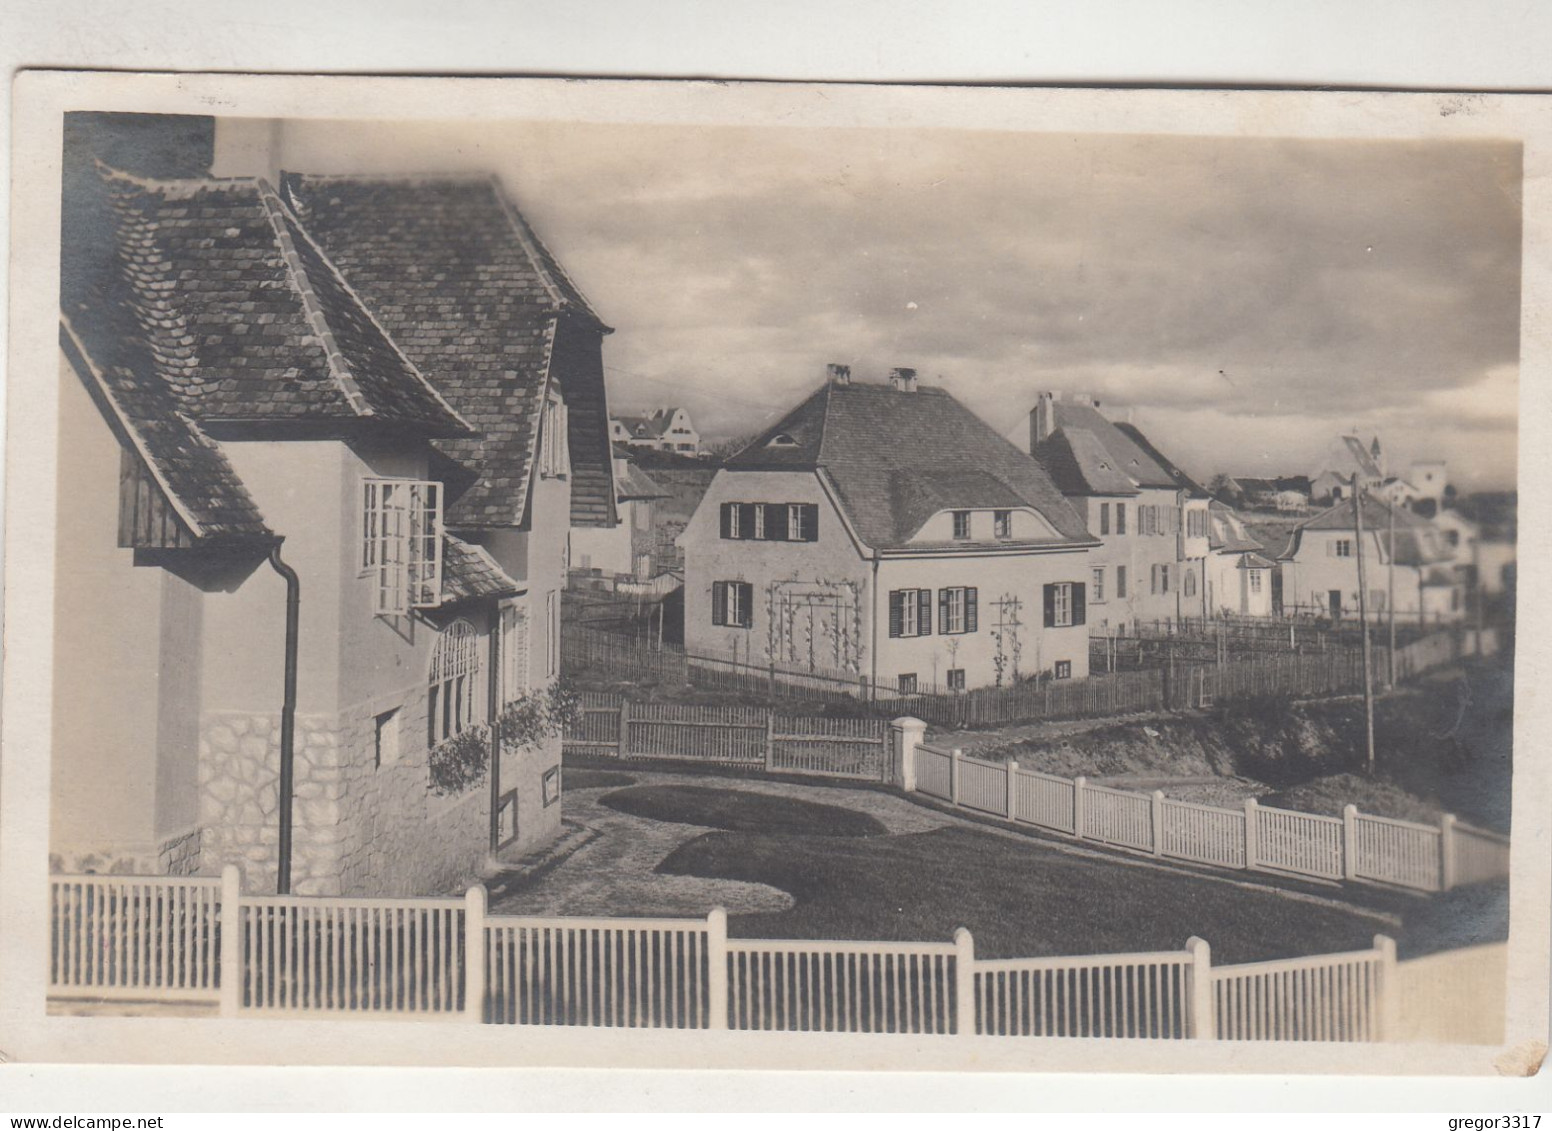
(1150, 518)
(261, 478)
(883, 533)
(664, 429)
(1239, 574)
(1320, 566)
(627, 548)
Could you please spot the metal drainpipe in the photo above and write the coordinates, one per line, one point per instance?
(287, 718)
(493, 712)
(873, 683)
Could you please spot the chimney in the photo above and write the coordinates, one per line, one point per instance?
(903, 380)
(838, 374)
(1042, 419)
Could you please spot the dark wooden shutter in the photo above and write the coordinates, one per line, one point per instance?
(1104, 518)
(776, 521)
(896, 611)
(719, 602)
(745, 603)
(1079, 600)
(1050, 606)
(924, 612)
(810, 522)
(727, 519)
(1120, 581)
(969, 610)
(746, 520)
(942, 610)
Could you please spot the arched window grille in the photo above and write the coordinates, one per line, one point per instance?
(453, 688)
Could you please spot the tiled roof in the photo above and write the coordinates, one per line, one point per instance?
(477, 301)
(1181, 479)
(642, 427)
(896, 458)
(1418, 542)
(633, 483)
(1253, 560)
(1127, 456)
(1080, 465)
(1226, 531)
(469, 573)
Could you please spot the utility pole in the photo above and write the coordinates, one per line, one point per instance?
(1363, 624)
(1390, 574)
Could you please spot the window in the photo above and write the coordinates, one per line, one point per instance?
(1120, 518)
(401, 543)
(452, 692)
(1002, 524)
(956, 679)
(1098, 585)
(386, 746)
(961, 525)
(908, 683)
(1196, 524)
(554, 460)
(1188, 578)
(514, 653)
(771, 522)
(910, 612)
(552, 633)
(1255, 581)
(506, 819)
(732, 603)
(550, 784)
(1064, 604)
(1104, 518)
(1160, 579)
(1120, 582)
(1063, 669)
(1342, 548)
(956, 610)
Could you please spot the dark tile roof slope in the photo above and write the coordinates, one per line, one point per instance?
(469, 573)
(1128, 456)
(637, 484)
(1181, 479)
(1079, 464)
(896, 458)
(1418, 541)
(1226, 531)
(468, 291)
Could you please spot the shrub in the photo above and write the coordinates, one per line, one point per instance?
(537, 715)
(459, 762)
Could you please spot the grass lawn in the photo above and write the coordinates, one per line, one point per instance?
(741, 811)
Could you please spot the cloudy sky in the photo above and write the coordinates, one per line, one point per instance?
(1247, 299)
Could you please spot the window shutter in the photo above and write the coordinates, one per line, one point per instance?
(924, 612)
(1050, 606)
(1153, 579)
(745, 603)
(727, 520)
(1120, 518)
(1079, 601)
(776, 522)
(1104, 518)
(969, 610)
(719, 602)
(810, 532)
(1120, 581)
(896, 611)
(746, 520)
(942, 610)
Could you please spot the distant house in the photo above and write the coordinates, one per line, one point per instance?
(1150, 518)
(1328, 487)
(1239, 575)
(1320, 565)
(1283, 493)
(269, 411)
(626, 549)
(664, 429)
(884, 531)
(1478, 559)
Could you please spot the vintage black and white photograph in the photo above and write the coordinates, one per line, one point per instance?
(976, 588)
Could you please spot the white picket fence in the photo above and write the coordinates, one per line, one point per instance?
(178, 939)
(1355, 846)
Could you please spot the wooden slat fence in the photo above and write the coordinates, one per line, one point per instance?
(1335, 997)
(134, 937)
(1120, 995)
(1354, 846)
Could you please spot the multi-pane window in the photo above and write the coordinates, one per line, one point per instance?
(452, 691)
(956, 679)
(1196, 524)
(1104, 518)
(1120, 582)
(1097, 586)
(910, 612)
(908, 683)
(1120, 518)
(1160, 579)
(961, 525)
(1342, 548)
(771, 522)
(1064, 601)
(1255, 580)
(732, 603)
(1002, 524)
(1063, 669)
(957, 610)
(401, 543)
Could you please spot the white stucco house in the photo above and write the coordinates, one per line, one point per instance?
(884, 532)
(1239, 575)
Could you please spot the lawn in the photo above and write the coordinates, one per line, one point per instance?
(740, 811)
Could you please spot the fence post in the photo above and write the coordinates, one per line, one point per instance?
(1158, 822)
(1388, 1005)
(230, 969)
(1012, 806)
(716, 969)
(474, 954)
(1077, 806)
(905, 735)
(1250, 832)
(953, 775)
(770, 740)
(1447, 852)
(1201, 1014)
(964, 982)
(1350, 842)
(622, 743)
